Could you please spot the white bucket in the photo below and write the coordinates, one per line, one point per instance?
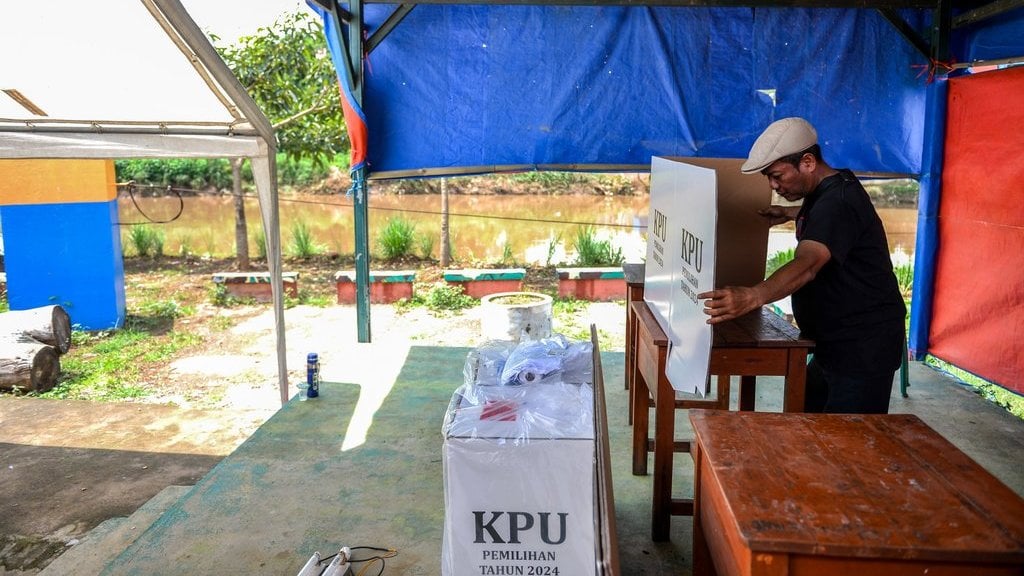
(516, 316)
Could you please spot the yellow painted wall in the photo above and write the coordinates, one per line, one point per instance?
(56, 181)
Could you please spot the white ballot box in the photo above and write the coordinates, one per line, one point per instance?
(519, 480)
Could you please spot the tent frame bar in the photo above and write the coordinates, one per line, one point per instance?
(990, 10)
(520, 168)
(99, 127)
(393, 20)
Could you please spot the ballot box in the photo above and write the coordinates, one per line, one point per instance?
(519, 480)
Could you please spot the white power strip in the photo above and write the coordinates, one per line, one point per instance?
(339, 566)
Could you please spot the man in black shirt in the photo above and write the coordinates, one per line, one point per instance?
(845, 295)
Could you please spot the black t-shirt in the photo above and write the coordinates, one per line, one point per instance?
(854, 296)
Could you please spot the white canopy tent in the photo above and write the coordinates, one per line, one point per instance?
(132, 79)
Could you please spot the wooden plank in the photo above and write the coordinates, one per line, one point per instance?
(648, 326)
(607, 532)
(761, 329)
(729, 555)
(749, 361)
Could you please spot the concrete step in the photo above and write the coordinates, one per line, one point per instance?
(106, 541)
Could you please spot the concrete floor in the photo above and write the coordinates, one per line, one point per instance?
(324, 473)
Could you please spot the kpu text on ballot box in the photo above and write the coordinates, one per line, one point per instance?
(519, 456)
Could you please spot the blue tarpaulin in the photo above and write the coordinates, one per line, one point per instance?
(473, 87)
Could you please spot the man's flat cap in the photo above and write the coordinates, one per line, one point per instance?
(781, 138)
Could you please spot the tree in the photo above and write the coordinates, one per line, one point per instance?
(288, 72)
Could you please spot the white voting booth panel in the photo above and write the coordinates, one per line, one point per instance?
(519, 482)
(681, 240)
(707, 200)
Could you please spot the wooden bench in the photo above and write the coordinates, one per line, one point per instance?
(256, 285)
(595, 284)
(480, 282)
(386, 287)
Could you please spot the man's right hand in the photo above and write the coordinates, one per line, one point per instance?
(779, 214)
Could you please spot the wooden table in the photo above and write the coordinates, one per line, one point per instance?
(758, 344)
(827, 494)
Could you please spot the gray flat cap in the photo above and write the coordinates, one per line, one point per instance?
(781, 138)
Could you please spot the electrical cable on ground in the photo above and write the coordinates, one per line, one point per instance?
(370, 561)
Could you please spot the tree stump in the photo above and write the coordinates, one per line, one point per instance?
(28, 365)
(47, 324)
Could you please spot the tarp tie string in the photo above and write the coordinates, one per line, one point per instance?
(935, 68)
(358, 183)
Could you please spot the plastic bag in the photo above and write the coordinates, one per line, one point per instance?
(485, 363)
(550, 358)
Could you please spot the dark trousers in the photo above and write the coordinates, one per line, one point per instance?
(843, 393)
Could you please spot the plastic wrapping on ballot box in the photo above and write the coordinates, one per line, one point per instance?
(554, 359)
(519, 478)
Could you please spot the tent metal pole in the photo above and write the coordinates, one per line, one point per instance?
(356, 50)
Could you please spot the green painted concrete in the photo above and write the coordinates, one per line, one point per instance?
(481, 274)
(290, 490)
(599, 273)
(396, 276)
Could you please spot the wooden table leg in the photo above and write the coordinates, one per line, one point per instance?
(794, 395)
(631, 344)
(638, 397)
(664, 447)
(702, 563)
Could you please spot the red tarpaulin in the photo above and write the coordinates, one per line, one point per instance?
(978, 317)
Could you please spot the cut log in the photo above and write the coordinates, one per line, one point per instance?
(47, 324)
(28, 365)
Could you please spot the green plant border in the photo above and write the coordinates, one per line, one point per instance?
(1007, 399)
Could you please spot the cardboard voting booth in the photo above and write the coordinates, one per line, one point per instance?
(519, 476)
(704, 231)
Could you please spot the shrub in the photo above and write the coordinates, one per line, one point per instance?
(778, 260)
(447, 297)
(553, 243)
(507, 259)
(425, 245)
(591, 251)
(185, 245)
(396, 239)
(192, 173)
(259, 238)
(147, 241)
(302, 244)
(905, 277)
(555, 180)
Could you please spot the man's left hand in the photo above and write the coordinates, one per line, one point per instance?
(730, 302)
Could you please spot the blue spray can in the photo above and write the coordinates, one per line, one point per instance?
(312, 375)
